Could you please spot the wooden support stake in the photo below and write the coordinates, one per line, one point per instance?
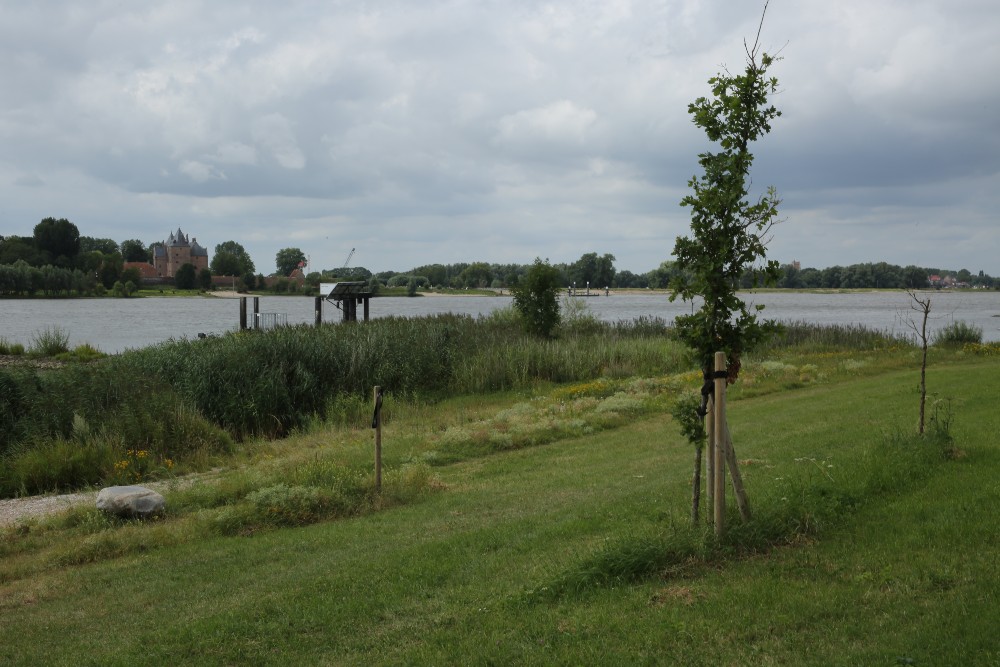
(710, 460)
(318, 308)
(256, 312)
(377, 425)
(742, 501)
(719, 445)
(243, 313)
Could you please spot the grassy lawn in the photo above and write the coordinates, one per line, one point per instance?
(909, 576)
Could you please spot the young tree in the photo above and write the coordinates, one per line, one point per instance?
(536, 298)
(729, 233)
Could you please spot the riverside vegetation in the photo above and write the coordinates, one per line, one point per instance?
(868, 543)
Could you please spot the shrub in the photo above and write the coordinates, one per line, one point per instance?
(535, 297)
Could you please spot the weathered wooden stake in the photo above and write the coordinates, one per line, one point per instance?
(256, 312)
(719, 442)
(318, 308)
(377, 425)
(243, 313)
(710, 460)
(742, 501)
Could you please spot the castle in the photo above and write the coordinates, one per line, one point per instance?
(177, 251)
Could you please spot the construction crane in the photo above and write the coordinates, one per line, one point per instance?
(348, 260)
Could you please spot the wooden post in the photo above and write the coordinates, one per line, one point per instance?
(377, 425)
(318, 310)
(256, 312)
(720, 444)
(742, 501)
(366, 308)
(243, 313)
(710, 460)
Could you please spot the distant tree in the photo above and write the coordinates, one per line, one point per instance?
(205, 279)
(14, 248)
(627, 279)
(475, 275)
(661, 276)
(915, 277)
(186, 277)
(289, 259)
(59, 238)
(132, 275)
(226, 264)
(244, 263)
(437, 274)
(536, 298)
(411, 286)
(597, 271)
(810, 277)
(110, 270)
(374, 285)
(791, 277)
(250, 281)
(134, 250)
(90, 244)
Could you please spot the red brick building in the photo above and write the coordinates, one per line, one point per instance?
(177, 251)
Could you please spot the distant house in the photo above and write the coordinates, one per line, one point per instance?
(177, 251)
(146, 270)
(934, 280)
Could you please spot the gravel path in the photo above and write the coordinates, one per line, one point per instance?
(13, 510)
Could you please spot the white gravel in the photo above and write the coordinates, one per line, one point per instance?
(13, 510)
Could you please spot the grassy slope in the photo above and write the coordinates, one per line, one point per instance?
(912, 576)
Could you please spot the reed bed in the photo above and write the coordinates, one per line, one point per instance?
(190, 399)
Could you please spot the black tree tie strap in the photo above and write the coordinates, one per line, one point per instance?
(708, 389)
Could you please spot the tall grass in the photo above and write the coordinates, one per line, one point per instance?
(49, 342)
(190, 397)
(958, 333)
(808, 337)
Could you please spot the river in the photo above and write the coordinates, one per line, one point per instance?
(114, 325)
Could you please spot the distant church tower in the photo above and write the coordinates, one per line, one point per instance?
(177, 251)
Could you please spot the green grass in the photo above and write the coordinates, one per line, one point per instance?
(897, 564)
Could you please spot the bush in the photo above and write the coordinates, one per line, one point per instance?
(535, 297)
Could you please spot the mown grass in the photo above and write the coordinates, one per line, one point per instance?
(869, 546)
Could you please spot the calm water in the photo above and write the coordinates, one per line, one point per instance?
(113, 325)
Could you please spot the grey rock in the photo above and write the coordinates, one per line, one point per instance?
(130, 501)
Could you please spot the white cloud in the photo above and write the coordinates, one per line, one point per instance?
(506, 130)
(558, 123)
(273, 133)
(200, 172)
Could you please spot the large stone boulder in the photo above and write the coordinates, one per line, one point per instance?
(130, 501)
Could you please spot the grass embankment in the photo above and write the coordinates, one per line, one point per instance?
(868, 546)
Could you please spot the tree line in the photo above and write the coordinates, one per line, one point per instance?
(56, 260)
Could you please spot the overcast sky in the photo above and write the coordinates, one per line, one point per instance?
(428, 131)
